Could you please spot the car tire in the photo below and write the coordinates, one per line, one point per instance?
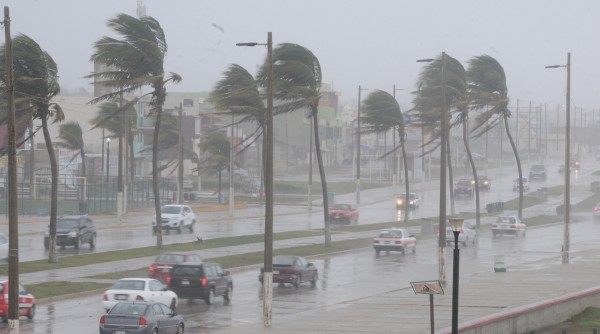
(414, 249)
(179, 329)
(155, 331)
(180, 226)
(31, 314)
(93, 241)
(77, 243)
(191, 227)
(297, 281)
(377, 252)
(210, 299)
(403, 251)
(228, 293)
(313, 281)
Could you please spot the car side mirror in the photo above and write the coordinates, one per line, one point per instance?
(310, 264)
(226, 273)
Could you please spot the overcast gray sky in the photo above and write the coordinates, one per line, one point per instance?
(369, 43)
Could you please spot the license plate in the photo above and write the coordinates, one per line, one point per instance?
(166, 270)
(185, 282)
(119, 332)
(275, 272)
(121, 297)
(386, 242)
(337, 216)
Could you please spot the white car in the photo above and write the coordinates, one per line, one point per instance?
(176, 217)
(394, 239)
(238, 173)
(139, 289)
(468, 235)
(3, 247)
(509, 225)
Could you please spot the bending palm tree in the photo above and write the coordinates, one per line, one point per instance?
(138, 60)
(72, 139)
(381, 113)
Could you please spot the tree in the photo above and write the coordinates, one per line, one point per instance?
(297, 86)
(381, 113)
(135, 61)
(72, 139)
(488, 92)
(216, 145)
(36, 84)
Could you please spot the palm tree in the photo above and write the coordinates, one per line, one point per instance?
(297, 86)
(135, 61)
(36, 84)
(216, 145)
(488, 90)
(72, 139)
(381, 113)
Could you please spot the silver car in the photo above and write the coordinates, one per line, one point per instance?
(468, 235)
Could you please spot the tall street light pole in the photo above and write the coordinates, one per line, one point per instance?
(443, 163)
(567, 194)
(358, 148)
(456, 224)
(107, 168)
(268, 253)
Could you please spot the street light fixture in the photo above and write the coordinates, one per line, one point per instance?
(456, 224)
(268, 252)
(443, 163)
(567, 194)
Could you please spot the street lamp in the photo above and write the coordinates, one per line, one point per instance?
(456, 224)
(358, 149)
(567, 194)
(107, 167)
(268, 253)
(443, 163)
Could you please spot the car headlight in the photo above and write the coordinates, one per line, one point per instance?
(72, 234)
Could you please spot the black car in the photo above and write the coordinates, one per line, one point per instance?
(196, 280)
(463, 187)
(73, 231)
(292, 269)
(537, 172)
(141, 317)
(483, 182)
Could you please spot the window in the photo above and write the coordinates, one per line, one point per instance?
(157, 309)
(218, 270)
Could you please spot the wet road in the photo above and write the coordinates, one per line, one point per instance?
(343, 278)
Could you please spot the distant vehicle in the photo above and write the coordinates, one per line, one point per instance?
(26, 302)
(394, 239)
(73, 231)
(463, 187)
(525, 182)
(3, 247)
(509, 225)
(345, 213)
(597, 211)
(238, 173)
(411, 201)
(162, 265)
(537, 172)
(141, 318)
(175, 217)
(575, 164)
(484, 182)
(292, 269)
(467, 235)
(197, 280)
(138, 289)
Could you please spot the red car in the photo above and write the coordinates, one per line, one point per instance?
(345, 213)
(163, 264)
(26, 302)
(292, 269)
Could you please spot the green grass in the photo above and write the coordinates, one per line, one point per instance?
(61, 288)
(583, 323)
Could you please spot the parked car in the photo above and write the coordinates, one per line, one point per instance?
(175, 217)
(292, 269)
(197, 280)
(394, 239)
(162, 265)
(468, 235)
(3, 247)
(141, 318)
(537, 172)
(597, 211)
(509, 225)
(138, 289)
(524, 181)
(26, 302)
(345, 213)
(463, 187)
(73, 231)
(412, 201)
(484, 182)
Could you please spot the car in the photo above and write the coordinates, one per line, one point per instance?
(293, 270)
(524, 181)
(26, 301)
(483, 182)
(394, 239)
(537, 172)
(138, 317)
(138, 289)
(463, 187)
(175, 217)
(345, 213)
(238, 173)
(73, 231)
(3, 247)
(509, 225)
(199, 280)
(597, 211)
(467, 235)
(575, 164)
(162, 265)
(412, 201)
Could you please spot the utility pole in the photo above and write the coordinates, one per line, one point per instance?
(358, 149)
(180, 158)
(310, 164)
(231, 169)
(13, 217)
(120, 162)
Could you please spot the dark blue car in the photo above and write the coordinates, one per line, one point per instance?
(141, 318)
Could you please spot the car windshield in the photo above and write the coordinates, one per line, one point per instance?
(67, 223)
(506, 220)
(128, 285)
(410, 196)
(170, 209)
(284, 260)
(128, 309)
(341, 207)
(390, 234)
(187, 271)
(173, 258)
